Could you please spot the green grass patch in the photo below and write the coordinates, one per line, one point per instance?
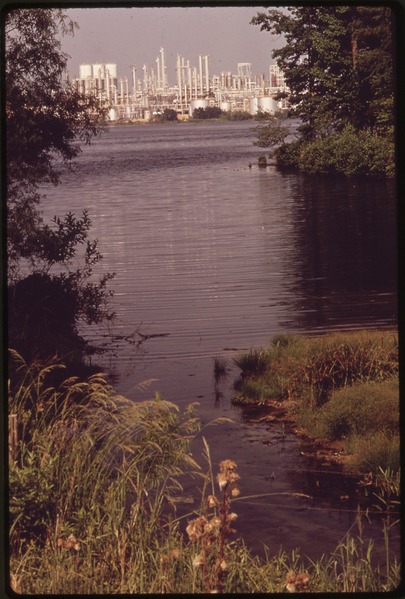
(338, 386)
(93, 480)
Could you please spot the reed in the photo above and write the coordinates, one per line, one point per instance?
(340, 386)
(92, 511)
(220, 367)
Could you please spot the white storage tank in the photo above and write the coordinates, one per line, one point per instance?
(86, 70)
(225, 106)
(112, 70)
(253, 106)
(267, 104)
(197, 104)
(99, 71)
(112, 114)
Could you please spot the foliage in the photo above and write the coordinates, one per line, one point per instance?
(334, 386)
(168, 115)
(361, 409)
(92, 495)
(346, 153)
(220, 367)
(81, 442)
(333, 367)
(211, 112)
(338, 65)
(45, 118)
(46, 122)
(236, 115)
(254, 362)
(270, 135)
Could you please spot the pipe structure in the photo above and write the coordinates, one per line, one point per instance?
(207, 79)
(201, 74)
(162, 57)
(158, 84)
(134, 90)
(179, 82)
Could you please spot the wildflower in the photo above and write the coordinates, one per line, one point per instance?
(296, 581)
(175, 553)
(222, 481)
(235, 492)
(231, 517)
(196, 528)
(212, 501)
(70, 543)
(199, 560)
(222, 565)
(227, 466)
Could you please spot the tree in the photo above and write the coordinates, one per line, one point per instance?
(46, 120)
(271, 134)
(338, 64)
(211, 112)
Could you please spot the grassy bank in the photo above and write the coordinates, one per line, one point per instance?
(342, 387)
(94, 479)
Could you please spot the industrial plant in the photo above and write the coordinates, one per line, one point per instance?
(151, 93)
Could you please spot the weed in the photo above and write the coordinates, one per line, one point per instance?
(90, 509)
(255, 362)
(220, 367)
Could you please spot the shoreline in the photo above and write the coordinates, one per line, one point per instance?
(311, 385)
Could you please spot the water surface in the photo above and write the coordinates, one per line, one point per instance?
(213, 257)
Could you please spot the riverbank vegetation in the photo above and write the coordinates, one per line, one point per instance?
(50, 265)
(94, 481)
(338, 63)
(342, 387)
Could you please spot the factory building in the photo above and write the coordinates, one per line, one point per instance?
(195, 87)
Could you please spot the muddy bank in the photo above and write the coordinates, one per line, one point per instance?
(327, 452)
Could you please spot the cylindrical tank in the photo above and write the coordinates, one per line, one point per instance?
(86, 70)
(225, 106)
(112, 114)
(112, 69)
(267, 104)
(99, 70)
(147, 115)
(253, 106)
(197, 104)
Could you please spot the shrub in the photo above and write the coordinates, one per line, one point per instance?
(255, 362)
(287, 155)
(361, 409)
(344, 364)
(380, 449)
(348, 153)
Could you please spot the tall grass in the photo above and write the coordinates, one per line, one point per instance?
(92, 510)
(340, 386)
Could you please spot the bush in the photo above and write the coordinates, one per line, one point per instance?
(255, 362)
(378, 450)
(211, 112)
(348, 153)
(361, 409)
(287, 155)
(337, 365)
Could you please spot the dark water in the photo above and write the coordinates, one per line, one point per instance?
(212, 258)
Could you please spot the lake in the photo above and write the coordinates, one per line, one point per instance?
(213, 257)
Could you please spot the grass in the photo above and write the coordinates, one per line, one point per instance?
(220, 367)
(341, 386)
(91, 485)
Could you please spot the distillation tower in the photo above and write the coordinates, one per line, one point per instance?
(194, 88)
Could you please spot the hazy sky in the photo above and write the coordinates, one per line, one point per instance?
(133, 37)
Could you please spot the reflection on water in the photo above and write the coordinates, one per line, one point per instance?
(211, 258)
